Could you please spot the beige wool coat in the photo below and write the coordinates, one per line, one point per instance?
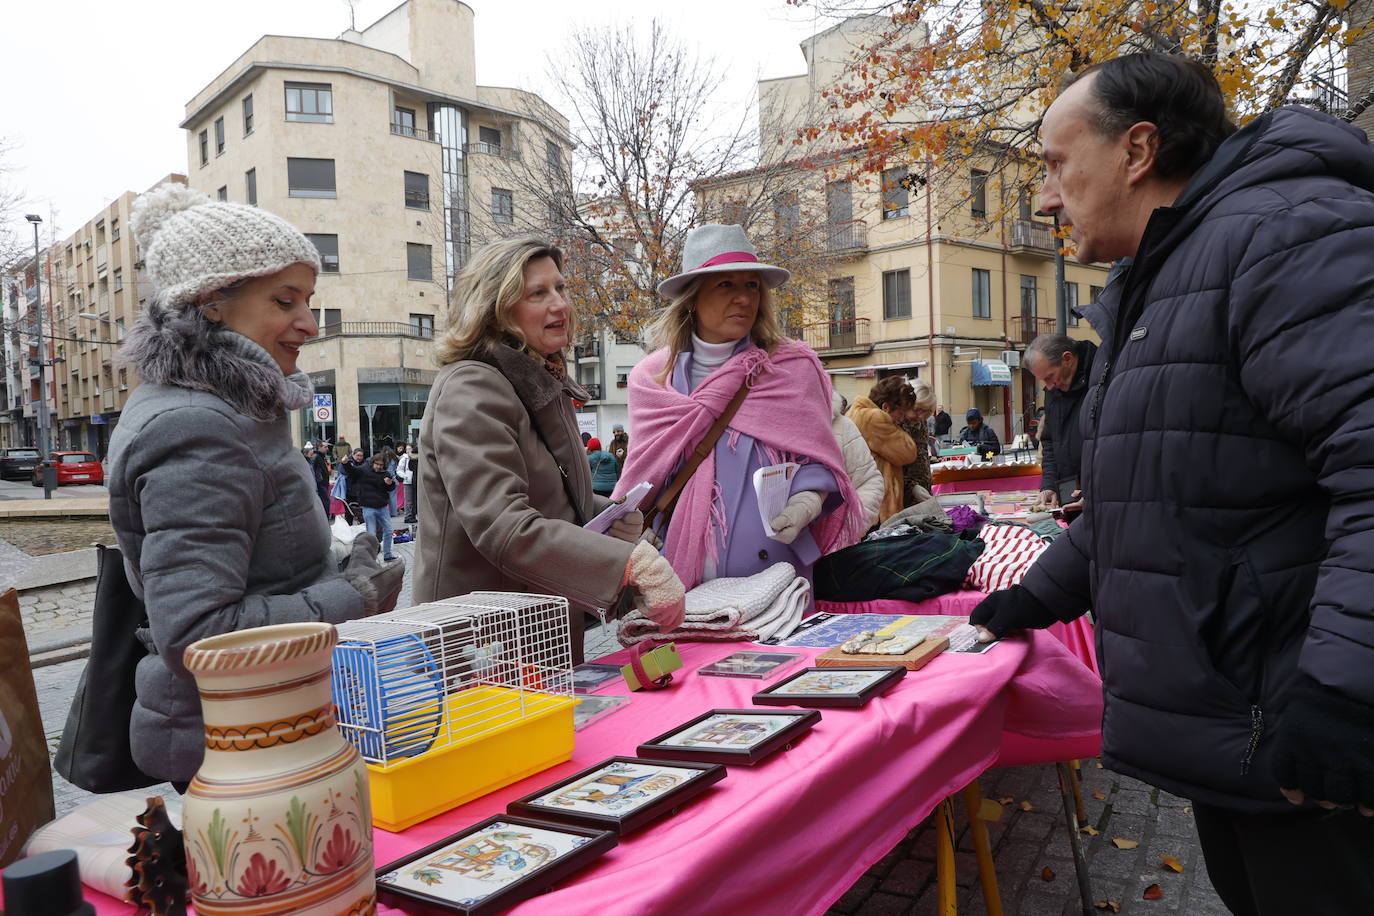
(504, 490)
(892, 450)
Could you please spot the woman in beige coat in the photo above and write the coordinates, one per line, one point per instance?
(504, 484)
(890, 400)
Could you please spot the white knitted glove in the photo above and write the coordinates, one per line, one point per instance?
(628, 527)
(662, 593)
(800, 511)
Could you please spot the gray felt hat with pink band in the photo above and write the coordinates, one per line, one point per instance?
(715, 248)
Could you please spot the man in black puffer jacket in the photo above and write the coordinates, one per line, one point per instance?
(1061, 364)
(1227, 542)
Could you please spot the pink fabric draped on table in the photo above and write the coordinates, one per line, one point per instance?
(995, 484)
(794, 832)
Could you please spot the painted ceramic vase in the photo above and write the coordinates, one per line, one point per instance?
(277, 820)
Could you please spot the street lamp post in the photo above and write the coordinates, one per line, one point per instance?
(49, 472)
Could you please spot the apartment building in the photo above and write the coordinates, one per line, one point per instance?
(19, 295)
(932, 271)
(382, 148)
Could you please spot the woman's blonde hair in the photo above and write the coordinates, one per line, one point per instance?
(479, 309)
(925, 395)
(672, 327)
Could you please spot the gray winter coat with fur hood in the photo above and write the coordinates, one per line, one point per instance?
(216, 515)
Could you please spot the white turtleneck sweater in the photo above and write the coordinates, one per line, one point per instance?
(707, 358)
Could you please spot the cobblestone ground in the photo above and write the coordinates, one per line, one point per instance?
(1030, 838)
(54, 610)
(38, 536)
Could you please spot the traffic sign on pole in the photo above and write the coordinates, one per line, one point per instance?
(324, 414)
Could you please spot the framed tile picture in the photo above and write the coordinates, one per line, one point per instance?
(832, 686)
(491, 866)
(731, 736)
(620, 794)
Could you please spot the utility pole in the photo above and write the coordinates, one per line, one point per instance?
(49, 472)
(1061, 305)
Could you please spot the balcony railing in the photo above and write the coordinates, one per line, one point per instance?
(1025, 328)
(419, 133)
(505, 151)
(590, 350)
(845, 334)
(1027, 233)
(593, 390)
(846, 236)
(374, 329)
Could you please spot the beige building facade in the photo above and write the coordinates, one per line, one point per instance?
(933, 271)
(381, 147)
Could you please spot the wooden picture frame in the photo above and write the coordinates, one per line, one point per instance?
(880, 679)
(722, 736)
(620, 787)
(440, 877)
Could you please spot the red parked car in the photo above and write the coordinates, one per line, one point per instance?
(72, 467)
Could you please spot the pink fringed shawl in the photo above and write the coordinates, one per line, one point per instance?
(787, 411)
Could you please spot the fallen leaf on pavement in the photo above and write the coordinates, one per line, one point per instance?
(1123, 843)
(1099, 766)
(1005, 800)
(1153, 892)
(1026, 806)
(1107, 905)
(1089, 829)
(1171, 863)
(1047, 874)
(1098, 795)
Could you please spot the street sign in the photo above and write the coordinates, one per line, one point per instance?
(324, 400)
(324, 414)
(97, 418)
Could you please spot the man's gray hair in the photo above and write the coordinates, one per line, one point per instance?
(1050, 347)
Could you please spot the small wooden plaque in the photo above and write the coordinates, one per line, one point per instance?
(914, 660)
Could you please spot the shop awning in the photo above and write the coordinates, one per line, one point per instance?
(868, 371)
(991, 372)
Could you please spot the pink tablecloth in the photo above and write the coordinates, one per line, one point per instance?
(995, 484)
(793, 833)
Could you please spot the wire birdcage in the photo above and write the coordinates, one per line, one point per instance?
(441, 674)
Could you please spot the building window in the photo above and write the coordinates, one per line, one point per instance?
(978, 193)
(1023, 204)
(1029, 298)
(328, 318)
(489, 140)
(403, 121)
(553, 156)
(250, 186)
(100, 233)
(502, 205)
(222, 193)
(247, 115)
(422, 326)
(417, 190)
(896, 294)
(982, 293)
(219, 135)
(310, 102)
(1071, 302)
(419, 262)
(1094, 293)
(841, 296)
(328, 247)
(204, 148)
(114, 232)
(895, 194)
(118, 279)
(310, 178)
(786, 214)
(839, 203)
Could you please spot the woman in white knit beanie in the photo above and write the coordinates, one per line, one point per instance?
(215, 512)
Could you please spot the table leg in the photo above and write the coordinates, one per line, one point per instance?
(1076, 771)
(987, 872)
(945, 884)
(1080, 862)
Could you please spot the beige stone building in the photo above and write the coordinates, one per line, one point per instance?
(382, 148)
(97, 286)
(931, 271)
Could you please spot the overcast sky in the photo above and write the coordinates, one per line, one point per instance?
(94, 89)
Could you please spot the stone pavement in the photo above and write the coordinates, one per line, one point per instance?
(1030, 843)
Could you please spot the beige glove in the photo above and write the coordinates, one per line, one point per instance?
(378, 585)
(661, 595)
(800, 511)
(628, 527)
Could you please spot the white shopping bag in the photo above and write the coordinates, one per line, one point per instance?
(343, 532)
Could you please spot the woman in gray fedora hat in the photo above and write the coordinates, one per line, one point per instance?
(719, 335)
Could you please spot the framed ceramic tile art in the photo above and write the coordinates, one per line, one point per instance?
(490, 866)
(731, 736)
(620, 794)
(832, 686)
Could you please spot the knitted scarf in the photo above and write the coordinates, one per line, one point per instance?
(787, 411)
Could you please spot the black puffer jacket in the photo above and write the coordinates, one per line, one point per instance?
(370, 488)
(1061, 437)
(1228, 464)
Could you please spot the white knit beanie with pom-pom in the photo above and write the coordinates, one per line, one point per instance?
(193, 245)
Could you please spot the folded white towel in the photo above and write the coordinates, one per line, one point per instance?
(765, 604)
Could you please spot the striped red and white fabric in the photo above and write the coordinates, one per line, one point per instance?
(1010, 551)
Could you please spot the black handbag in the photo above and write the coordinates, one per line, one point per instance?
(95, 752)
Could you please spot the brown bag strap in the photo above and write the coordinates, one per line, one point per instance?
(667, 500)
